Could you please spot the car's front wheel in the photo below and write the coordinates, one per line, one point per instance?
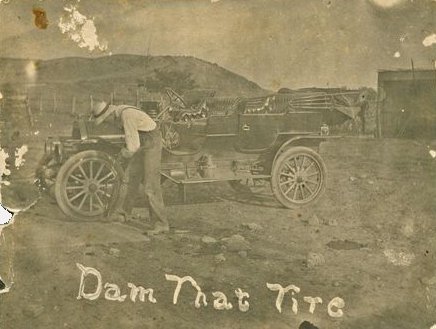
(87, 184)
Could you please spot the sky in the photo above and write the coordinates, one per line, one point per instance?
(275, 43)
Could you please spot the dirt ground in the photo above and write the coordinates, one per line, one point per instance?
(370, 240)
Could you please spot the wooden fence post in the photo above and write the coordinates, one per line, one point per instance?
(91, 102)
(112, 98)
(73, 106)
(29, 112)
(40, 104)
(55, 103)
(137, 97)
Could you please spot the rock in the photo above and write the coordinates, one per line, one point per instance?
(307, 325)
(33, 310)
(114, 252)
(2, 285)
(331, 222)
(408, 229)
(399, 258)
(181, 231)
(243, 253)
(89, 251)
(352, 178)
(428, 281)
(208, 240)
(220, 258)
(432, 281)
(314, 259)
(146, 238)
(371, 182)
(236, 243)
(314, 220)
(336, 284)
(252, 226)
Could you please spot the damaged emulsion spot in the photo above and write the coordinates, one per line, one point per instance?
(429, 40)
(387, 3)
(5, 216)
(41, 21)
(80, 29)
(19, 155)
(4, 171)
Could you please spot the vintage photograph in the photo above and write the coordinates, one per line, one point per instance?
(258, 164)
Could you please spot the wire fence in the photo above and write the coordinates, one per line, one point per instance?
(56, 102)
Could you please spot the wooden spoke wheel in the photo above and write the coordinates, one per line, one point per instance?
(87, 184)
(298, 177)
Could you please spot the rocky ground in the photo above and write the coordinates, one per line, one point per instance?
(370, 241)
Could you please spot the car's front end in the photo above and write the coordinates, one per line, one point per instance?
(84, 136)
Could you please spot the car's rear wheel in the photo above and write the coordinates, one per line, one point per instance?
(298, 177)
(88, 184)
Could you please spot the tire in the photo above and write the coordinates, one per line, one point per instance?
(298, 177)
(88, 185)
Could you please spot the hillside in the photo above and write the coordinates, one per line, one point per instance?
(106, 74)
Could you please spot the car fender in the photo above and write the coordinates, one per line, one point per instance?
(308, 141)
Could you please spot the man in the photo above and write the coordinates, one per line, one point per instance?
(361, 114)
(143, 148)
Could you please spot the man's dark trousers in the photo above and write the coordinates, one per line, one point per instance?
(144, 167)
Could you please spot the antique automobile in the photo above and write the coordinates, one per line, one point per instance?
(247, 142)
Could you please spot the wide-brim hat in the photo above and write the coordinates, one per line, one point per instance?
(101, 111)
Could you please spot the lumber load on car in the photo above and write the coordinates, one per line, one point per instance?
(336, 105)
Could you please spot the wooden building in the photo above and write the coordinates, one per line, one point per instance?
(407, 104)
